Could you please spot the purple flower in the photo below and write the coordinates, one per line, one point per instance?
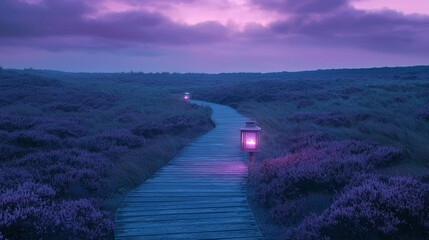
(375, 209)
(29, 212)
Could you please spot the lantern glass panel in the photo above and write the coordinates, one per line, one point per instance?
(250, 140)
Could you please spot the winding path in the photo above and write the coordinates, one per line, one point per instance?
(200, 194)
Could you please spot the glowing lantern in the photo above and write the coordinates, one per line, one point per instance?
(187, 96)
(250, 137)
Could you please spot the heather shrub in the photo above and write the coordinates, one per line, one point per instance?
(304, 103)
(174, 124)
(61, 127)
(34, 139)
(149, 130)
(289, 213)
(28, 212)
(421, 95)
(334, 119)
(399, 100)
(303, 139)
(9, 152)
(111, 138)
(116, 152)
(72, 173)
(64, 107)
(362, 117)
(11, 177)
(393, 208)
(179, 123)
(423, 112)
(98, 100)
(23, 209)
(18, 79)
(324, 166)
(4, 136)
(13, 122)
(80, 219)
(129, 115)
(384, 155)
(349, 90)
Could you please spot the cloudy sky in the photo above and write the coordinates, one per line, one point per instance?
(212, 35)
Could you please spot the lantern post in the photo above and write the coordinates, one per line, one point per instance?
(250, 138)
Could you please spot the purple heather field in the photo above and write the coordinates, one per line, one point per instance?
(344, 152)
(69, 152)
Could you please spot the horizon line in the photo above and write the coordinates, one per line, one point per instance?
(211, 73)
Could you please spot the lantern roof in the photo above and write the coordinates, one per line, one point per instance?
(251, 126)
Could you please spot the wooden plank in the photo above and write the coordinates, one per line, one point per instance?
(191, 185)
(189, 206)
(145, 212)
(191, 217)
(189, 192)
(180, 200)
(180, 204)
(183, 223)
(146, 231)
(251, 234)
(200, 194)
(185, 189)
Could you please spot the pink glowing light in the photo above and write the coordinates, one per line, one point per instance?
(249, 140)
(187, 96)
(251, 143)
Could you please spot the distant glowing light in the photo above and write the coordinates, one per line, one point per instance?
(187, 96)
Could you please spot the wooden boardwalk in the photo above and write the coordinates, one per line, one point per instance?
(200, 194)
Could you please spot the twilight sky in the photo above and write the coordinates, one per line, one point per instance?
(212, 35)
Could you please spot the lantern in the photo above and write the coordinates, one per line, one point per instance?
(187, 96)
(250, 137)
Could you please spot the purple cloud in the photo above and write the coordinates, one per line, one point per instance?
(335, 23)
(301, 6)
(20, 19)
(273, 34)
(62, 18)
